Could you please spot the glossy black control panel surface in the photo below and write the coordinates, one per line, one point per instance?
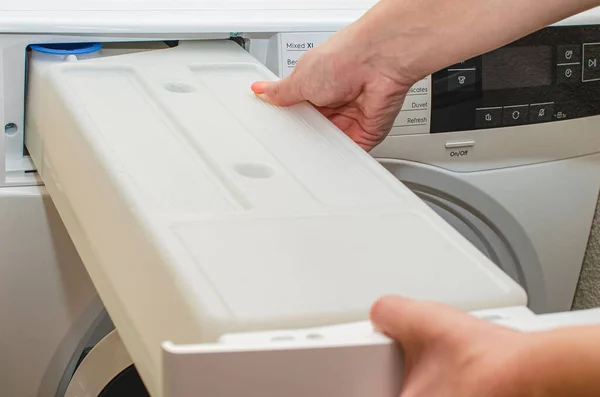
(551, 75)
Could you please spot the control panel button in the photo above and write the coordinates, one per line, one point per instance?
(408, 119)
(561, 116)
(541, 112)
(591, 62)
(568, 54)
(416, 102)
(459, 144)
(418, 89)
(568, 74)
(468, 64)
(515, 115)
(488, 117)
(463, 79)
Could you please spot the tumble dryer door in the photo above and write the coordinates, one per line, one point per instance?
(107, 371)
(480, 219)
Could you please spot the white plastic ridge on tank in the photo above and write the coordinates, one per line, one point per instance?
(200, 210)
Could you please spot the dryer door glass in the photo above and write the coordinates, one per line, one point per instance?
(474, 229)
(482, 220)
(126, 384)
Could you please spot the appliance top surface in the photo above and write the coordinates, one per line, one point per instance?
(190, 16)
(145, 5)
(178, 16)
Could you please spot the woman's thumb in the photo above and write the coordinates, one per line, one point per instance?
(397, 317)
(285, 92)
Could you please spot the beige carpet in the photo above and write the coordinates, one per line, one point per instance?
(588, 292)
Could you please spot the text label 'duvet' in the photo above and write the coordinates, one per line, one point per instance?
(419, 105)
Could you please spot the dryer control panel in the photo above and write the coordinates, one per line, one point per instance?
(551, 75)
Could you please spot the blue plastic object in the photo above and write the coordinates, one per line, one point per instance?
(67, 48)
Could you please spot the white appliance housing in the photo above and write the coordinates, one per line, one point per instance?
(261, 24)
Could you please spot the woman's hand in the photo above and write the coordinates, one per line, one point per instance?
(359, 77)
(448, 353)
(358, 96)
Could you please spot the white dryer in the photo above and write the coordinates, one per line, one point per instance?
(523, 194)
(513, 166)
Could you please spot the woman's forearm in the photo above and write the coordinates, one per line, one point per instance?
(418, 37)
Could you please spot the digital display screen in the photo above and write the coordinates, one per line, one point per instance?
(517, 67)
